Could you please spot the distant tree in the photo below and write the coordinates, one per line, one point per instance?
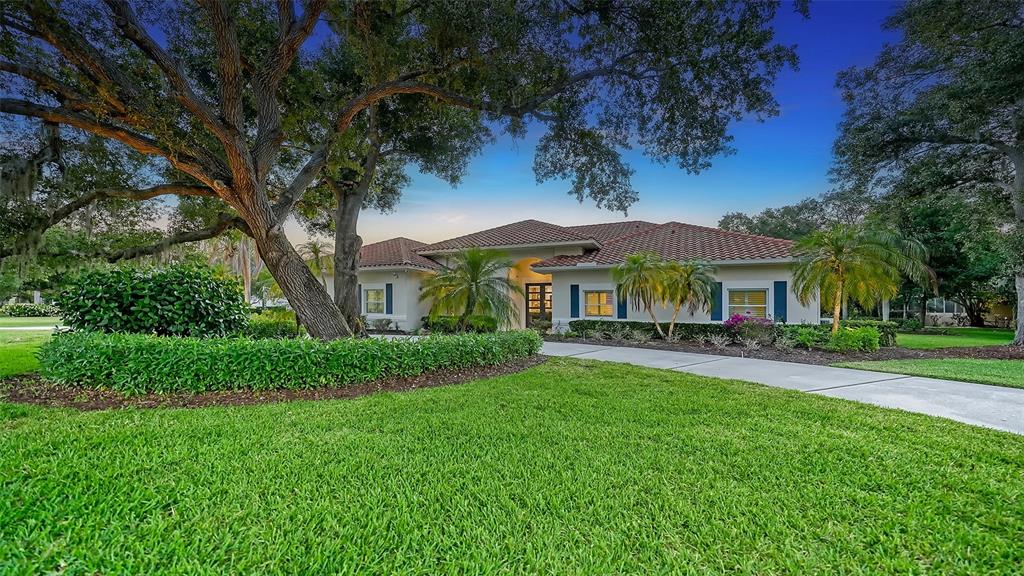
(948, 91)
(788, 222)
(641, 280)
(690, 284)
(475, 282)
(319, 256)
(233, 112)
(854, 261)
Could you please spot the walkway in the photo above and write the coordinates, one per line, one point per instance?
(990, 406)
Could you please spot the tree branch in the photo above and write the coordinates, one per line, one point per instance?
(138, 195)
(138, 142)
(223, 225)
(229, 63)
(124, 18)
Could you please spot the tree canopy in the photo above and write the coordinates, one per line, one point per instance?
(235, 100)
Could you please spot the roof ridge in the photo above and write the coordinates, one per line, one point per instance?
(730, 232)
(637, 233)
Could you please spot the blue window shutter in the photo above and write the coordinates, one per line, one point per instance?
(716, 302)
(622, 305)
(780, 301)
(359, 297)
(574, 300)
(389, 301)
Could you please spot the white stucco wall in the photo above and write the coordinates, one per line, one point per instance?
(406, 307)
(732, 278)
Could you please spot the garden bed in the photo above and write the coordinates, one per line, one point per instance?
(814, 356)
(33, 389)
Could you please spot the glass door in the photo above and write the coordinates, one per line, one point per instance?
(538, 303)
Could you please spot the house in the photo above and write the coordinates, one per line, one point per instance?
(565, 271)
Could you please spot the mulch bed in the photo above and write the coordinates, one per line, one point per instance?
(820, 357)
(33, 389)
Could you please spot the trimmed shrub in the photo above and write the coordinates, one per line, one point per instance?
(272, 324)
(441, 324)
(886, 330)
(20, 310)
(136, 363)
(481, 324)
(181, 300)
(683, 331)
(751, 329)
(806, 335)
(862, 339)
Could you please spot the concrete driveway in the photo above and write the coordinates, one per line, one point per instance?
(990, 406)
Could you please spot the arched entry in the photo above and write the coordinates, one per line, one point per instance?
(535, 304)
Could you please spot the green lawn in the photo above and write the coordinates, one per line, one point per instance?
(571, 467)
(47, 321)
(957, 337)
(17, 352)
(999, 372)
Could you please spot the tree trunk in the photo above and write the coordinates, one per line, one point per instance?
(837, 307)
(672, 323)
(650, 310)
(313, 306)
(347, 244)
(1017, 198)
(1018, 339)
(246, 271)
(470, 307)
(924, 306)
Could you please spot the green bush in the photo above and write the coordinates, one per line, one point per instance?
(181, 300)
(862, 339)
(136, 363)
(481, 324)
(22, 310)
(684, 331)
(886, 330)
(441, 324)
(450, 324)
(272, 324)
(806, 335)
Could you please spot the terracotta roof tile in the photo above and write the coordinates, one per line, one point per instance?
(516, 233)
(611, 230)
(396, 252)
(678, 241)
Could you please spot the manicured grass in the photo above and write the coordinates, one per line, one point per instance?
(999, 372)
(570, 467)
(46, 321)
(18, 352)
(957, 337)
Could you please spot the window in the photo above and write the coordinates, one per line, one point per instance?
(942, 305)
(374, 298)
(598, 303)
(749, 303)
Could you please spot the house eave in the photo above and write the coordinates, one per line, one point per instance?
(593, 266)
(580, 243)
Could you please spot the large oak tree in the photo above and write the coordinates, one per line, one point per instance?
(949, 97)
(225, 92)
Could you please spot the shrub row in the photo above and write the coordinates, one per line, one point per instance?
(20, 310)
(685, 331)
(272, 324)
(450, 324)
(136, 363)
(180, 300)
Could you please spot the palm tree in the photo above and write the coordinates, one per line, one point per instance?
(320, 258)
(233, 250)
(476, 283)
(691, 284)
(640, 279)
(856, 261)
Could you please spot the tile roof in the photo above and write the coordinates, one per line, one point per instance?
(396, 252)
(516, 233)
(678, 241)
(611, 230)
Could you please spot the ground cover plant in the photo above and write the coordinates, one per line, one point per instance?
(18, 351)
(137, 363)
(569, 467)
(997, 372)
(956, 337)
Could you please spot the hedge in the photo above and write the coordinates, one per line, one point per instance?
(138, 363)
(271, 326)
(450, 324)
(886, 329)
(177, 300)
(21, 310)
(684, 330)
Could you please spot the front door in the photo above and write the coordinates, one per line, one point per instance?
(538, 302)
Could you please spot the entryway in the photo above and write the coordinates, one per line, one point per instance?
(538, 303)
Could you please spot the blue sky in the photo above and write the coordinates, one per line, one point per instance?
(776, 162)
